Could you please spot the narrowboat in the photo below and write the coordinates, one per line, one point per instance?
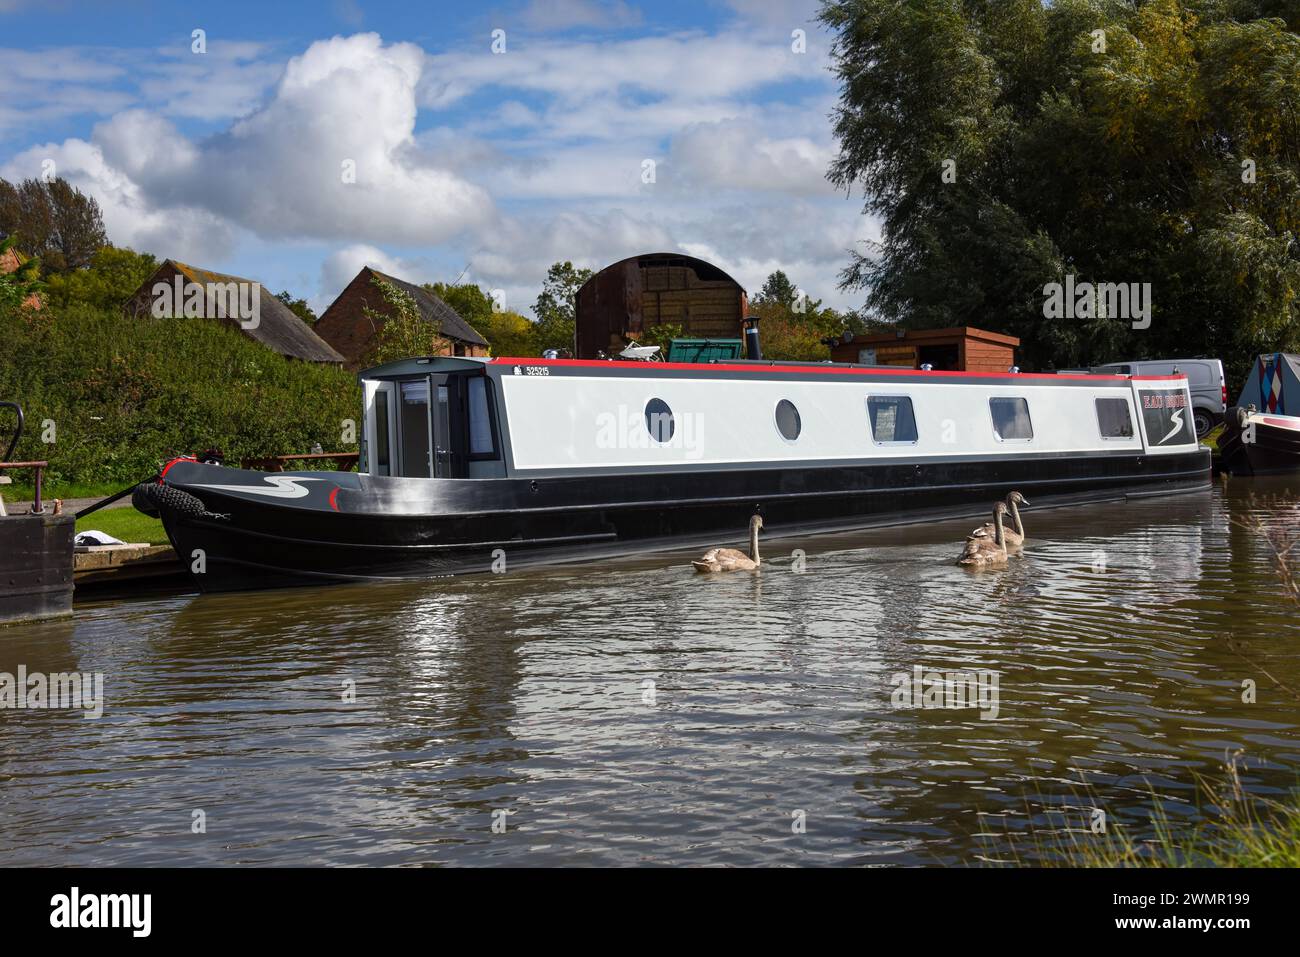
(476, 465)
(1261, 433)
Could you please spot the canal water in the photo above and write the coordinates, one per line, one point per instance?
(635, 712)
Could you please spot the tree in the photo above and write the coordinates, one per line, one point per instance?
(114, 275)
(507, 332)
(1007, 145)
(403, 332)
(59, 223)
(298, 307)
(556, 306)
(778, 288)
(791, 324)
(471, 303)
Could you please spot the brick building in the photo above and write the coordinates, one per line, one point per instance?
(347, 328)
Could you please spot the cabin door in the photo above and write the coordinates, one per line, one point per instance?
(413, 429)
(447, 407)
(382, 432)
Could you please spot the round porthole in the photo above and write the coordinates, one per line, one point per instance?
(787, 420)
(659, 420)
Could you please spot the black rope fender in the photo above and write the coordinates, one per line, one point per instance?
(151, 497)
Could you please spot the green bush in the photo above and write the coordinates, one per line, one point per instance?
(124, 395)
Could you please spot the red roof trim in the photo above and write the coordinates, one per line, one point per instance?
(824, 370)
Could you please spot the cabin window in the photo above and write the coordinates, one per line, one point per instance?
(414, 429)
(1114, 419)
(383, 463)
(891, 418)
(787, 420)
(1011, 419)
(659, 420)
(480, 419)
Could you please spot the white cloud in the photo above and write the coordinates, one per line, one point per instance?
(543, 15)
(341, 267)
(130, 218)
(520, 160)
(520, 250)
(732, 155)
(344, 101)
(687, 67)
(229, 80)
(776, 13)
(279, 172)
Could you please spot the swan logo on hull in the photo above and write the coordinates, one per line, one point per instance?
(283, 487)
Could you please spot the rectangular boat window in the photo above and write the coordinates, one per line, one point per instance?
(1114, 419)
(1010, 419)
(480, 420)
(891, 418)
(382, 464)
(413, 427)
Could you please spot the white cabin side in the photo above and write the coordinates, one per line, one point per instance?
(595, 422)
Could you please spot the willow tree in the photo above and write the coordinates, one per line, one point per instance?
(1006, 144)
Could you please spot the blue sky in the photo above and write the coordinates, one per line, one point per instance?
(303, 140)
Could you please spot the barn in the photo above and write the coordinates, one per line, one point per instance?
(624, 301)
(277, 327)
(347, 328)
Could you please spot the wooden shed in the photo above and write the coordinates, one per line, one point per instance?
(624, 301)
(960, 349)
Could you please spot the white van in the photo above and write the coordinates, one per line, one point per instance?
(1204, 376)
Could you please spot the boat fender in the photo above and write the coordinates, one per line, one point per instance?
(152, 497)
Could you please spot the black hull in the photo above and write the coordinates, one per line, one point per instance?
(468, 526)
(1274, 450)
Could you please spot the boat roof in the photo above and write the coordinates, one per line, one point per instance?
(425, 364)
(823, 368)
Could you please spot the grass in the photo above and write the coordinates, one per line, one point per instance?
(22, 489)
(126, 524)
(1236, 830)
(1211, 440)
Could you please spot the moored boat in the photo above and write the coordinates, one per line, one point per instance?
(477, 465)
(1261, 432)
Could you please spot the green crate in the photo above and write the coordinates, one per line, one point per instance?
(704, 350)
